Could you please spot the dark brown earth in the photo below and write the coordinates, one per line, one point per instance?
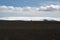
(29, 30)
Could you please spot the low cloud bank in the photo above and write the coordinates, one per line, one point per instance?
(30, 18)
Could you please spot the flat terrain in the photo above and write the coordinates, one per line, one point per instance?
(29, 30)
(29, 24)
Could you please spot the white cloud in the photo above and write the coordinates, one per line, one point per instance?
(50, 8)
(40, 9)
(30, 18)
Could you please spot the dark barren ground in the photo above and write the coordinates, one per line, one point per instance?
(29, 30)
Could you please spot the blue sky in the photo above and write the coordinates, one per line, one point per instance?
(23, 3)
(30, 8)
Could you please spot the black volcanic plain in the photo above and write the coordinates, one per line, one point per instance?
(29, 30)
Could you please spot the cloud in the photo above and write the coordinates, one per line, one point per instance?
(50, 8)
(47, 8)
(30, 18)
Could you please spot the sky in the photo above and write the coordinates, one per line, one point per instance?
(30, 8)
(23, 3)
